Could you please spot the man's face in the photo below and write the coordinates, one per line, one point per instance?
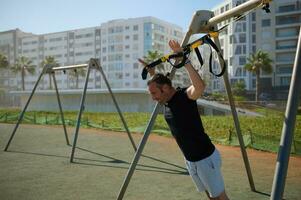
(158, 93)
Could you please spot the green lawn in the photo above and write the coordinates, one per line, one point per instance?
(259, 132)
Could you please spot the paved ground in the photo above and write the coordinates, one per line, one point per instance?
(37, 167)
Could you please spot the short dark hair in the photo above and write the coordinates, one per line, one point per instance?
(159, 79)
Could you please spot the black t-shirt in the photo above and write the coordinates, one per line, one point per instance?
(183, 118)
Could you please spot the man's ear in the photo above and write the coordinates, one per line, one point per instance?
(165, 87)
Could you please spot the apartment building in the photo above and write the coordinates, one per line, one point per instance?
(9, 43)
(117, 44)
(275, 32)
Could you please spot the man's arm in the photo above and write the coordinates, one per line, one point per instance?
(198, 86)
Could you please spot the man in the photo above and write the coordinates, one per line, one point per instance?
(203, 160)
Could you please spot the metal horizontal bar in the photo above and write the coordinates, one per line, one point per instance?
(70, 67)
(236, 11)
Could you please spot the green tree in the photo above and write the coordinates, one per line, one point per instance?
(75, 74)
(152, 56)
(260, 61)
(239, 88)
(3, 61)
(50, 60)
(23, 65)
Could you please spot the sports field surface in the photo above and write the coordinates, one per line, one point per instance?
(36, 167)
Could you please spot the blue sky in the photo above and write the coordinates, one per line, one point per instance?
(47, 16)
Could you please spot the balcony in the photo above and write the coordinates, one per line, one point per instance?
(284, 9)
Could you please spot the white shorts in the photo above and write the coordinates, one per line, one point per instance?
(207, 174)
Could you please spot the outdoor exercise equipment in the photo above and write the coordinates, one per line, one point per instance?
(203, 21)
(49, 69)
(288, 127)
(183, 56)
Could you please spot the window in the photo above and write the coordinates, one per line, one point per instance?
(284, 81)
(242, 38)
(287, 32)
(286, 8)
(286, 44)
(135, 37)
(238, 50)
(254, 39)
(254, 16)
(222, 9)
(135, 27)
(242, 60)
(238, 72)
(265, 22)
(253, 27)
(284, 69)
(97, 32)
(135, 66)
(291, 19)
(233, 39)
(227, 7)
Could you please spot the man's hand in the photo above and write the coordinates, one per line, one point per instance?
(175, 46)
(150, 71)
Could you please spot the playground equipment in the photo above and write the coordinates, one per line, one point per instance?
(49, 69)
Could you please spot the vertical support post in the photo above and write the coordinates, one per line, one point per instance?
(60, 107)
(145, 136)
(23, 111)
(236, 123)
(138, 152)
(288, 128)
(82, 106)
(117, 107)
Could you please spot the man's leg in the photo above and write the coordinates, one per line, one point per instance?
(222, 196)
(209, 172)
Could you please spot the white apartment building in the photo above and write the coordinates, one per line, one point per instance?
(275, 32)
(117, 44)
(9, 42)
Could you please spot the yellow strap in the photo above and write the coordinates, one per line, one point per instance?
(214, 34)
(196, 44)
(165, 57)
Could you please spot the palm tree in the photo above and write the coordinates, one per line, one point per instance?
(50, 60)
(152, 56)
(260, 61)
(75, 74)
(3, 61)
(23, 65)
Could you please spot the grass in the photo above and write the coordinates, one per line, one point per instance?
(264, 132)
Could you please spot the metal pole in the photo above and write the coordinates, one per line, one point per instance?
(117, 107)
(288, 128)
(236, 11)
(236, 123)
(138, 153)
(23, 111)
(69, 67)
(60, 106)
(80, 114)
(145, 136)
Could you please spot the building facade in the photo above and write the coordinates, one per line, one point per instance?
(275, 32)
(117, 44)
